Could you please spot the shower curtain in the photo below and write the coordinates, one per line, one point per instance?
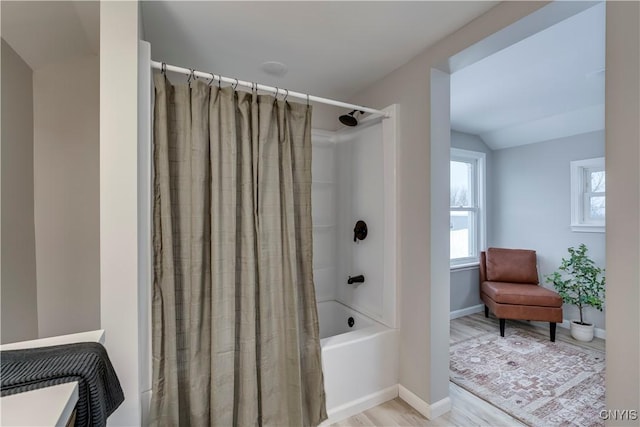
(234, 318)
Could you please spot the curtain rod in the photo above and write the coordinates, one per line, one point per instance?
(258, 86)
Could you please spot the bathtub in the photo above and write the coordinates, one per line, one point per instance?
(359, 360)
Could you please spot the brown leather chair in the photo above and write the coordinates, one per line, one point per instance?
(509, 288)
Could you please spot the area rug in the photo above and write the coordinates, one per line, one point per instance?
(532, 379)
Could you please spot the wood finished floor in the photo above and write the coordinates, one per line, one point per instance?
(466, 408)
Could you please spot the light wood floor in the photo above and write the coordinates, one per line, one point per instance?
(466, 408)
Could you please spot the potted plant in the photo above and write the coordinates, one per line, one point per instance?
(581, 283)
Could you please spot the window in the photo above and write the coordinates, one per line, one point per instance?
(588, 185)
(467, 222)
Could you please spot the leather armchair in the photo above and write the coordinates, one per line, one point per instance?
(509, 288)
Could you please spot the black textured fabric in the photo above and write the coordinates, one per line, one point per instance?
(87, 363)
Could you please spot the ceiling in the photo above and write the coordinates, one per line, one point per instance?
(45, 32)
(548, 86)
(332, 49)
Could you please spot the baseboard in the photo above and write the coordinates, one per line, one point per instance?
(431, 411)
(566, 324)
(354, 407)
(466, 311)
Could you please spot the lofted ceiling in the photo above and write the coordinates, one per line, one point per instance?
(332, 49)
(548, 86)
(45, 32)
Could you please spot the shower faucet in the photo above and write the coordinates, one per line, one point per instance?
(355, 279)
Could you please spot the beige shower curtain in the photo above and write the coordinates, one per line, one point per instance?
(235, 326)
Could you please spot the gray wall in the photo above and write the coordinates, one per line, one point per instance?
(66, 160)
(532, 204)
(19, 294)
(465, 291)
(465, 282)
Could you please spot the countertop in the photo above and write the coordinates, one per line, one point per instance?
(48, 406)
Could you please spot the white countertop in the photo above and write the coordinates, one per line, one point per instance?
(90, 336)
(49, 406)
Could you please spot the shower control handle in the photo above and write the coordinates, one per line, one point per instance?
(360, 231)
(355, 279)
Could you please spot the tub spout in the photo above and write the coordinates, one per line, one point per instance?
(355, 279)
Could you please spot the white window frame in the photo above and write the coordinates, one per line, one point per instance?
(478, 160)
(579, 195)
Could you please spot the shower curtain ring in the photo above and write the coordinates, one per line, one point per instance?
(276, 95)
(236, 84)
(286, 96)
(190, 76)
(213, 77)
(307, 100)
(163, 69)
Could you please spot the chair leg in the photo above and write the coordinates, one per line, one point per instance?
(502, 322)
(552, 331)
(486, 311)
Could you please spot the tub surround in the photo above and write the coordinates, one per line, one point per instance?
(324, 214)
(366, 175)
(354, 179)
(354, 174)
(334, 324)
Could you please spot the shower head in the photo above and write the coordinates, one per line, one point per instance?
(349, 119)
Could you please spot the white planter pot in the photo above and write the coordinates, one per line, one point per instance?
(581, 332)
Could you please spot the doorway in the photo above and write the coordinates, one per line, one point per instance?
(535, 23)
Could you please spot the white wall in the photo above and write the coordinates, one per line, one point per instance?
(119, 266)
(324, 116)
(19, 289)
(532, 204)
(439, 241)
(66, 188)
(622, 95)
(323, 209)
(465, 282)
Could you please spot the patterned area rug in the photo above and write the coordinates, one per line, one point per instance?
(532, 379)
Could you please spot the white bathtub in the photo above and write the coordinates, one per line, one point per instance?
(360, 363)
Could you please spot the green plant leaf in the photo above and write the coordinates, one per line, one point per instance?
(579, 281)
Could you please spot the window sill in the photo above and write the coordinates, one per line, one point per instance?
(586, 228)
(465, 266)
